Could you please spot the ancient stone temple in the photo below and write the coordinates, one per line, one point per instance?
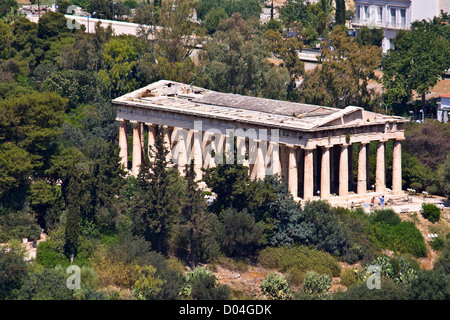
(322, 152)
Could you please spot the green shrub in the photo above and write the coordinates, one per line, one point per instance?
(48, 257)
(201, 284)
(107, 239)
(431, 189)
(416, 186)
(431, 212)
(387, 216)
(389, 291)
(13, 271)
(402, 238)
(443, 261)
(317, 285)
(48, 285)
(397, 269)
(430, 285)
(437, 243)
(240, 235)
(403, 271)
(297, 260)
(233, 264)
(276, 287)
(349, 277)
(18, 225)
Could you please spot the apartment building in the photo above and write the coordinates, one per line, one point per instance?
(394, 15)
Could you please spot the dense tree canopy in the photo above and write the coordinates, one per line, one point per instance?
(344, 75)
(420, 56)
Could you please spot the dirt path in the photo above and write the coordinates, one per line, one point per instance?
(245, 284)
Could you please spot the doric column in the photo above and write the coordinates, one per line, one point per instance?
(362, 169)
(380, 174)
(142, 133)
(253, 157)
(167, 133)
(197, 153)
(325, 174)
(247, 151)
(293, 173)
(137, 148)
(332, 169)
(151, 141)
(260, 163)
(123, 145)
(275, 163)
(397, 167)
(308, 176)
(368, 167)
(179, 151)
(219, 143)
(343, 171)
(207, 147)
(240, 152)
(350, 167)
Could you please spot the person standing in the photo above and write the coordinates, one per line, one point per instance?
(381, 201)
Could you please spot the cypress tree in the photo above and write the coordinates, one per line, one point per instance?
(194, 215)
(340, 12)
(159, 196)
(73, 224)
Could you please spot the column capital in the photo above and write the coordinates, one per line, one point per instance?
(289, 145)
(310, 147)
(274, 143)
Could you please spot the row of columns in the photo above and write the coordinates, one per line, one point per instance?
(264, 157)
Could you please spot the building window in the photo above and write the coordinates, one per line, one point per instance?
(366, 13)
(403, 18)
(393, 16)
(358, 12)
(379, 15)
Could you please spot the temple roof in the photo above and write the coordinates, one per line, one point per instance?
(184, 98)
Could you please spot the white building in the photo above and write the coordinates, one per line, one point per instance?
(443, 109)
(394, 15)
